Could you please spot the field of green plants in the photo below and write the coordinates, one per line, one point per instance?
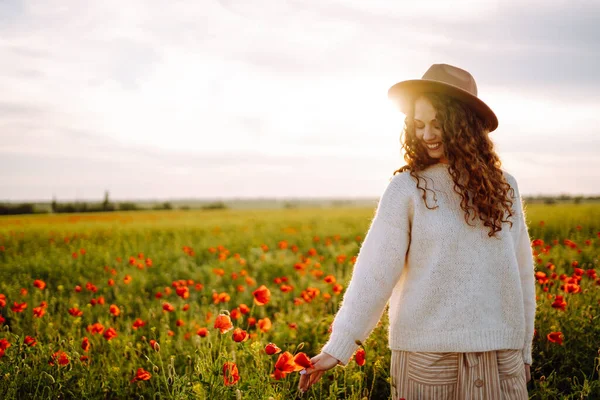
(230, 304)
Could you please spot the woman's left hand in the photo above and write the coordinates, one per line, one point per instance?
(527, 373)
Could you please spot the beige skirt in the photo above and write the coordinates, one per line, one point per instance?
(489, 375)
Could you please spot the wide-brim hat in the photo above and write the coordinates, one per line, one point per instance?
(446, 79)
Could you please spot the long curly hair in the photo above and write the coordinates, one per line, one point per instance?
(473, 163)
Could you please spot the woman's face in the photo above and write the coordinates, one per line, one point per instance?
(428, 130)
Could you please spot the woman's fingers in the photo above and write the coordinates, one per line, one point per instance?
(314, 378)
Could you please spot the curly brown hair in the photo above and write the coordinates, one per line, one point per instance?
(473, 163)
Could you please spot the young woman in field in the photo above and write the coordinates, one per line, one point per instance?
(448, 248)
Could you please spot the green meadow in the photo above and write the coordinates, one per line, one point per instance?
(182, 304)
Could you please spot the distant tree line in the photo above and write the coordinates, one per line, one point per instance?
(108, 206)
(82, 207)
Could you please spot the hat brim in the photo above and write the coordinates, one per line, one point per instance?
(405, 92)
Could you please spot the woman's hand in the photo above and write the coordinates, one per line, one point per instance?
(527, 373)
(310, 376)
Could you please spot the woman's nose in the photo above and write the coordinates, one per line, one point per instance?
(428, 133)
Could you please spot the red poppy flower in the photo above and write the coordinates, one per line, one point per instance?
(262, 295)
(141, 375)
(183, 292)
(154, 344)
(244, 309)
(231, 374)
(75, 312)
(59, 357)
(114, 310)
(360, 357)
(30, 341)
(223, 323)
(555, 337)
(110, 333)
(85, 344)
(95, 328)
(284, 365)
(4, 344)
(239, 335)
(19, 307)
(264, 324)
(38, 312)
(2, 300)
(202, 332)
(272, 348)
(168, 307)
(138, 323)
(302, 360)
(235, 313)
(40, 284)
(559, 303)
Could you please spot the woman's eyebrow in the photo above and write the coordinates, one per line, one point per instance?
(433, 120)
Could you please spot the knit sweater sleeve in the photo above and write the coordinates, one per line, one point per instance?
(378, 266)
(527, 274)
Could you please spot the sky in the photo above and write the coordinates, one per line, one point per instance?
(280, 99)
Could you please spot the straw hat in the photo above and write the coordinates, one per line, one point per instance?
(447, 79)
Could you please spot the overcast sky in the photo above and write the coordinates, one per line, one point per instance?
(286, 98)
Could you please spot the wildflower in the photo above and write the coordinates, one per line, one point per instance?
(141, 375)
(75, 312)
(30, 341)
(110, 333)
(40, 284)
(559, 303)
(264, 324)
(19, 307)
(239, 335)
(555, 337)
(38, 312)
(85, 344)
(285, 364)
(59, 357)
(360, 357)
(231, 374)
(244, 309)
(4, 344)
(302, 360)
(262, 295)
(168, 307)
(138, 323)
(223, 323)
(202, 332)
(272, 348)
(114, 310)
(95, 328)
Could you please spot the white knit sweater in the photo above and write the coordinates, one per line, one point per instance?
(450, 287)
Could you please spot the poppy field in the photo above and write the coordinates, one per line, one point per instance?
(232, 304)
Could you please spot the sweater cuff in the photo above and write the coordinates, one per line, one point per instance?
(527, 358)
(340, 347)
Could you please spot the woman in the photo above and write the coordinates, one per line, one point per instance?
(449, 249)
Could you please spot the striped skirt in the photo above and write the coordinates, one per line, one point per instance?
(489, 375)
